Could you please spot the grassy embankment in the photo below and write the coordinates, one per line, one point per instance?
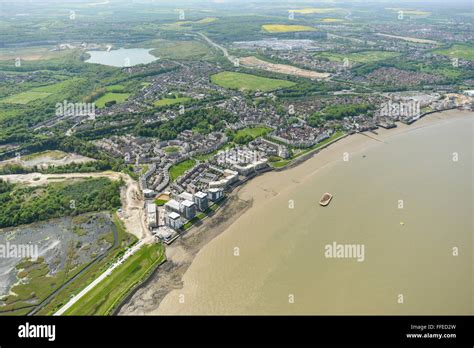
(105, 297)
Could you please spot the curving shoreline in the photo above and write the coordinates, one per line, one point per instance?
(257, 192)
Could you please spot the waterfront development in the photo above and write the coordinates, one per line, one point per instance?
(222, 158)
(281, 249)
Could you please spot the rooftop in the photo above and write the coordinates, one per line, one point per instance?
(187, 203)
(200, 194)
(151, 208)
(173, 216)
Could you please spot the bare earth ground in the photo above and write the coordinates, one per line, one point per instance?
(254, 62)
(45, 161)
(168, 277)
(410, 39)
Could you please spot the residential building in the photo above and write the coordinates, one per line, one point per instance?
(216, 194)
(152, 215)
(201, 200)
(188, 208)
(173, 206)
(173, 220)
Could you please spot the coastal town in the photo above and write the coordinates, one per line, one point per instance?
(173, 205)
(127, 135)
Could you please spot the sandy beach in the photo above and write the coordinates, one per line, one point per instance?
(256, 194)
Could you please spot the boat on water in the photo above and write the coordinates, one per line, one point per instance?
(325, 199)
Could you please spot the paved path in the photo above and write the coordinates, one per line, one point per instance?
(104, 275)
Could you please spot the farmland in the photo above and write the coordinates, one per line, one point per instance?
(359, 57)
(282, 28)
(457, 51)
(24, 97)
(409, 39)
(316, 10)
(247, 82)
(38, 93)
(181, 50)
(32, 53)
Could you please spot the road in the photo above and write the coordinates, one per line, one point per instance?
(231, 59)
(255, 63)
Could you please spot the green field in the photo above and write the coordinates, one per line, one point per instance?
(24, 98)
(178, 169)
(34, 53)
(171, 149)
(118, 97)
(181, 50)
(171, 101)
(160, 202)
(105, 297)
(38, 93)
(247, 82)
(115, 88)
(457, 51)
(359, 57)
(254, 132)
(245, 135)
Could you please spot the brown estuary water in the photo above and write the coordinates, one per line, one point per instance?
(406, 198)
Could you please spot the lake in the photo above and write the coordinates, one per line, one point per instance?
(123, 57)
